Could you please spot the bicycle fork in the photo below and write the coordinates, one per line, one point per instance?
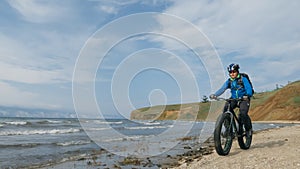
(232, 124)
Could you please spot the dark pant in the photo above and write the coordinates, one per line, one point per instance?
(244, 106)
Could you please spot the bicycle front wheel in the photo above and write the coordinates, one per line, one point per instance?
(223, 134)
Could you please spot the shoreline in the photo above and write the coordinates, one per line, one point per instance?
(189, 156)
(164, 161)
(279, 121)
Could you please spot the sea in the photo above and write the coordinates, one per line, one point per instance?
(37, 142)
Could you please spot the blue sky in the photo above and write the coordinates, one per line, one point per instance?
(41, 42)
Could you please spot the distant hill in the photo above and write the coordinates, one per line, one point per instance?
(281, 104)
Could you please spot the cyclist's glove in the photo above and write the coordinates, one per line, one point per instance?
(213, 96)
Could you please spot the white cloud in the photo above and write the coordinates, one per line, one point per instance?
(22, 62)
(237, 24)
(122, 2)
(13, 96)
(264, 34)
(113, 6)
(108, 9)
(27, 75)
(39, 11)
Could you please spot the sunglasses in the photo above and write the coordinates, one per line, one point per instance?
(233, 71)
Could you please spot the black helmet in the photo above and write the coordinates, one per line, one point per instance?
(232, 67)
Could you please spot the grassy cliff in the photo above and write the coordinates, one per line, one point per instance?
(281, 104)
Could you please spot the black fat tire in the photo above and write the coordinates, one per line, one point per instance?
(243, 140)
(223, 148)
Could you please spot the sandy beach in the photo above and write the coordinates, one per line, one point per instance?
(272, 148)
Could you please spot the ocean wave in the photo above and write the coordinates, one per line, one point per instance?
(131, 138)
(96, 129)
(151, 123)
(107, 122)
(70, 143)
(99, 121)
(17, 122)
(34, 132)
(114, 139)
(25, 145)
(49, 122)
(147, 127)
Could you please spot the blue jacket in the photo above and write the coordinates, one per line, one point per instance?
(237, 90)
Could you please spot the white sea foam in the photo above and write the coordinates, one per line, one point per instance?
(69, 143)
(131, 138)
(96, 129)
(151, 123)
(53, 121)
(16, 122)
(113, 139)
(148, 127)
(107, 122)
(33, 132)
(100, 121)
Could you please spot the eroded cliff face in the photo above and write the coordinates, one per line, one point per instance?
(284, 104)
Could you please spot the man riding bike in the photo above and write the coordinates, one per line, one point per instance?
(241, 92)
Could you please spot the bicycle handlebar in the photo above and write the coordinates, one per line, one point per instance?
(229, 99)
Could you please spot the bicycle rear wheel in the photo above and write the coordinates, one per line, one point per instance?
(245, 137)
(223, 135)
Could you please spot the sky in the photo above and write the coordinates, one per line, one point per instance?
(113, 56)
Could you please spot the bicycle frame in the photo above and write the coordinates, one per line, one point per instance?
(233, 118)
